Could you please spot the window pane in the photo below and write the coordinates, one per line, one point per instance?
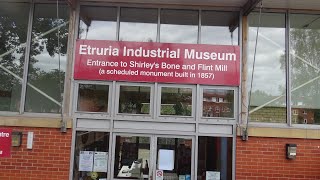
(174, 157)
(45, 76)
(93, 146)
(93, 98)
(215, 28)
(215, 157)
(218, 103)
(268, 103)
(134, 99)
(176, 101)
(305, 66)
(132, 157)
(13, 32)
(179, 26)
(98, 23)
(138, 24)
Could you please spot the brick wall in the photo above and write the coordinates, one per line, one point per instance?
(49, 159)
(264, 158)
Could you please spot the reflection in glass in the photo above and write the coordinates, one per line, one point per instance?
(134, 99)
(132, 156)
(13, 32)
(179, 26)
(268, 103)
(98, 23)
(174, 157)
(218, 103)
(176, 101)
(305, 65)
(44, 71)
(138, 24)
(215, 28)
(93, 98)
(215, 157)
(96, 146)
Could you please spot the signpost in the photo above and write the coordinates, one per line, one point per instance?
(5, 142)
(157, 62)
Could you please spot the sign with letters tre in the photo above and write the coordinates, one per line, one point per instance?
(5, 142)
(157, 62)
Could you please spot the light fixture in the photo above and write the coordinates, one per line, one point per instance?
(16, 139)
(291, 151)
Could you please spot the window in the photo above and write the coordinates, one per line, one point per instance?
(174, 157)
(179, 26)
(98, 23)
(305, 66)
(214, 157)
(93, 98)
(219, 27)
(138, 24)
(176, 101)
(134, 99)
(132, 154)
(47, 65)
(268, 94)
(13, 19)
(91, 148)
(217, 108)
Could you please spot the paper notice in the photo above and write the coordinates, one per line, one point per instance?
(86, 161)
(100, 162)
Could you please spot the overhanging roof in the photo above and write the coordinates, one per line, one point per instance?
(292, 4)
(239, 4)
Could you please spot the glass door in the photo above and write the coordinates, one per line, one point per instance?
(132, 153)
(153, 157)
(174, 158)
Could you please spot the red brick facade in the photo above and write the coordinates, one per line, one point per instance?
(49, 159)
(264, 159)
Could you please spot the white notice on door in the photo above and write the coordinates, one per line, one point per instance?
(212, 175)
(100, 162)
(86, 161)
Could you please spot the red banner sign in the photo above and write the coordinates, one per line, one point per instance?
(5, 142)
(157, 62)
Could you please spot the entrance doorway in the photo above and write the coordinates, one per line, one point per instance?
(105, 155)
(152, 157)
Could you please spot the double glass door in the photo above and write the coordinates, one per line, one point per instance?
(152, 157)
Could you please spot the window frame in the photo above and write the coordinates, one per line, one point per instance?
(128, 115)
(176, 117)
(89, 114)
(65, 107)
(203, 119)
(289, 111)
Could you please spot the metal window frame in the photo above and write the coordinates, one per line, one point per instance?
(128, 116)
(75, 130)
(26, 59)
(24, 82)
(102, 83)
(228, 120)
(177, 117)
(289, 121)
(288, 68)
(272, 124)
